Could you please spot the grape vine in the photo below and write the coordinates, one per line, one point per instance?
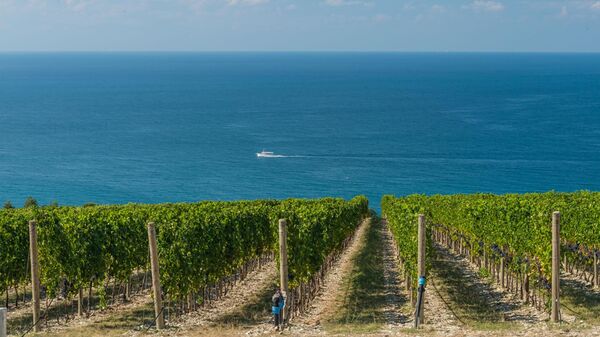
(198, 243)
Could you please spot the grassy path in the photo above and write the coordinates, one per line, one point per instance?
(325, 307)
(362, 297)
(370, 295)
(580, 300)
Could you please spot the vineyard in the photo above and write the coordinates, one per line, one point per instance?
(93, 259)
(203, 247)
(507, 236)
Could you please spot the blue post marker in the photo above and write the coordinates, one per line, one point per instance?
(421, 243)
(419, 310)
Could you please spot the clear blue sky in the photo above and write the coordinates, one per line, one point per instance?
(300, 25)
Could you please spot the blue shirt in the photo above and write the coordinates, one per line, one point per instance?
(277, 309)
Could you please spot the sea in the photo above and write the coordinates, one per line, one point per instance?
(114, 128)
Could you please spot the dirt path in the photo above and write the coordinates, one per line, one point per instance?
(134, 317)
(59, 308)
(329, 299)
(399, 312)
(396, 300)
(579, 300)
(60, 314)
(481, 308)
(244, 306)
(473, 301)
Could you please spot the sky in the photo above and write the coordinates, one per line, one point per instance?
(301, 25)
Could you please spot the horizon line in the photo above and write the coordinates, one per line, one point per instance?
(348, 51)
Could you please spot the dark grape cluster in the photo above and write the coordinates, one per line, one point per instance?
(573, 247)
(544, 283)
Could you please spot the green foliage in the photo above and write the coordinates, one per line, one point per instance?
(315, 229)
(483, 273)
(30, 202)
(198, 243)
(14, 243)
(516, 226)
(8, 205)
(402, 217)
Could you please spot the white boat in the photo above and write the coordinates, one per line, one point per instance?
(267, 154)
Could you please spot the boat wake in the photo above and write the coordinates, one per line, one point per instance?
(269, 154)
(273, 156)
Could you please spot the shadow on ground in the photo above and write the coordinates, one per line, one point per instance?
(114, 323)
(256, 312)
(57, 313)
(472, 300)
(580, 299)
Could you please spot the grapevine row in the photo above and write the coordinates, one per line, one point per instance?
(198, 243)
(515, 227)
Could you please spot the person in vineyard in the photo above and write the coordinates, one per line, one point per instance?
(277, 305)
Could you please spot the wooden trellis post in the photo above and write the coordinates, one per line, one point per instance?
(35, 275)
(596, 269)
(421, 261)
(555, 266)
(3, 322)
(158, 307)
(80, 302)
(283, 266)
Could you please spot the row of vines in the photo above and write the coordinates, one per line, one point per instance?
(513, 228)
(199, 244)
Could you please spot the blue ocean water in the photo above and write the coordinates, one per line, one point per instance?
(158, 127)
